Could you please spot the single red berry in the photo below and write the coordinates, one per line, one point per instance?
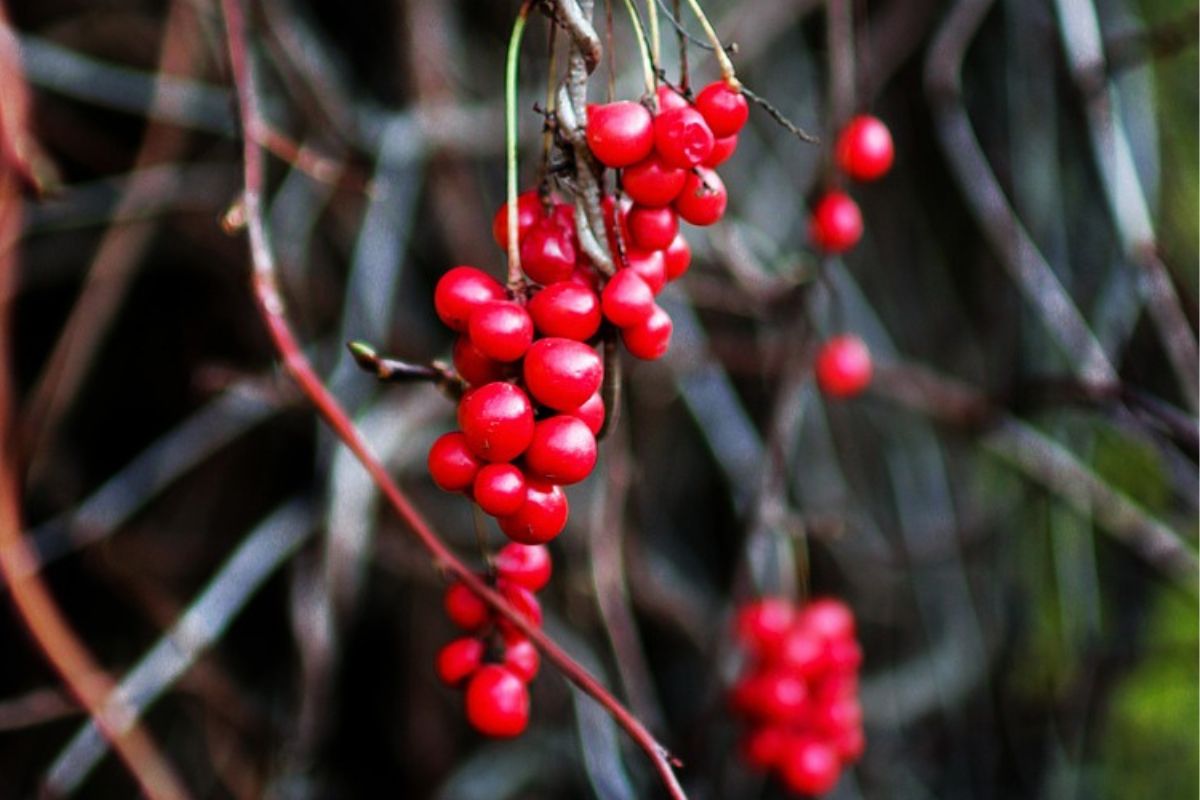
(499, 489)
(803, 651)
(829, 618)
(650, 339)
(627, 300)
(864, 148)
(669, 99)
(501, 329)
(473, 366)
(459, 660)
(542, 517)
(452, 465)
(465, 608)
(521, 658)
(761, 626)
(650, 266)
(548, 252)
(850, 745)
(523, 602)
(677, 257)
(529, 211)
(836, 224)
(568, 310)
(592, 413)
(497, 419)
(620, 133)
(775, 695)
(724, 109)
(497, 702)
(460, 291)
(703, 199)
(682, 138)
(843, 366)
(844, 655)
(563, 450)
(562, 373)
(809, 766)
(837, 717)
(652, 228)
(652, 183)
(723, 150)
(527, 565)
(763, 747)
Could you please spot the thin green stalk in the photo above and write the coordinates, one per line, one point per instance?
(655, 52)
(647, 63)
(516, 281)
(727, 71)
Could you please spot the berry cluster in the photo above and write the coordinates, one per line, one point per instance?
(799, 693)
(495, 661)
(864, 152)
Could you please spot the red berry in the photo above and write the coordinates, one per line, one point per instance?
(523, 602)
(831, 619)
(778, 695)
(703, 199)
(541, 518)
(548, 252)
(723, 150)
(843, 366)
(563, 450)
(650, 266)
(840, 716)
(836, 224)
(677, 257)
(844, 655)
(761, 626)
(499, 489)
(803, 652)
(460, 291)
(682, 137)
(809, 766)
(592, 413)
(473, 366)
(501, 329)
(850, 744)
(521, 658)
(620, 133)
(452, 465)
(459, 660)
(652, 183)
(497, 420)
(764, 747)
(527, 565)
(529, 211)
(669, 99)
(627, 299)
(650, 339)
(497, 702)
(562, 373)
(652, 228)
(724, 109)
(864, 148)
(568, 310)
(465, 608)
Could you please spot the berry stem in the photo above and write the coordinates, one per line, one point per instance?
(639, 33)
(391, 370)
(682, 37)
(727, 70)
(655, 37)
(839, 41)
(516, 280)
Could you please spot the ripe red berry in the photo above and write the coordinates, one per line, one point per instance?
(723, 150)
(762, 625)
(627, 299)
(777, 695)
(844, 655)
(669, 99)
(592, 413)
(864, 149)
(831, 619)
(497, 702)
(451, 463)
(529, 211)
(652, 228)
(562, 373)
(501, 329)
(650, 339)
(460, 291)
(724, 109)
(677, 257)
(764, 746)
(568, 309)
(527, 565)
(473, 366)
(523, 602)
(836, 224)
(499, 489)
(459, 660)
(703, 199)
(465, 608)
(497, 420)
(620, 133)
(682, 137)
(809, 766)
(803, 652)
(563, 450)
(843, 366)
(542, 517)
(650, 266)
(521, 658)
(548, 252)
(652, 183)
(850, 744)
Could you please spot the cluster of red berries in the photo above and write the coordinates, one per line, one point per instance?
(495, 662)
(799, 692)
(864, 152)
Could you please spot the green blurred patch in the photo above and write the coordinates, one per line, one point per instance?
(1131, 466)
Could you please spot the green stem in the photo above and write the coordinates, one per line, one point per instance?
(652, 9)
(647, 64)
(516, 281)
(727, 71)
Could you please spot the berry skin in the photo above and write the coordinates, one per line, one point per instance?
(762, 626)
(562, 373)
(669, 99)
(677, 257)
(521, 658)
(650, 266)
(836, 224)
(620, 133)
(724, 109)
(864, 149)
(723, 150)
(567, 310)
(778, 696)
(831, 619)
(465, 608)
(459, 660)
(649, 340)
(763, 749)
(473, 366)
(527, 565)
(548, 252)
(803, 652)
(592, 413)
(541, 518)
(809, 766)
(563, 450)
(497, 702)
(843, 368)
(523, 602)
(650, 182)
(499, 489)
(460, 291)
(703, 199)
(497, 421)
(501, 329)
(627, 299)
(451, 463)
(529, 211)
(652, 228)
(682, 138)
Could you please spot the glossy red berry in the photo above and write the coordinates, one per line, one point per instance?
(669, 99)
(761, 626)
(592, 413)
(452, 465)
(803, 651)
(682, 138)
(650, 339)
(529, 211)
(548, 252)
(465, 608)
(836, 224)
(568, 310)
(473, 366)
(809, 766)
(724, 109)
(650, 266)
(501, 329)
(563, 450)
(864, 149)
(527, 565)
(562, 373)
(703, 199)
(652, 183)
(627, 299)
(521, 658)
(829, 618)
(652, 228)
(764, 747)
(499, 489)
(843, 366)
(497, 421)
(723, 150)
(774, 695)
(460, 291)
(523, 602)
(620, 133)
(459, 660)
(541, 518)
(497, 702)
(677, 257)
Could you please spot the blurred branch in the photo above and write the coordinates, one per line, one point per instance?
(1159, 41)
(35, 708)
